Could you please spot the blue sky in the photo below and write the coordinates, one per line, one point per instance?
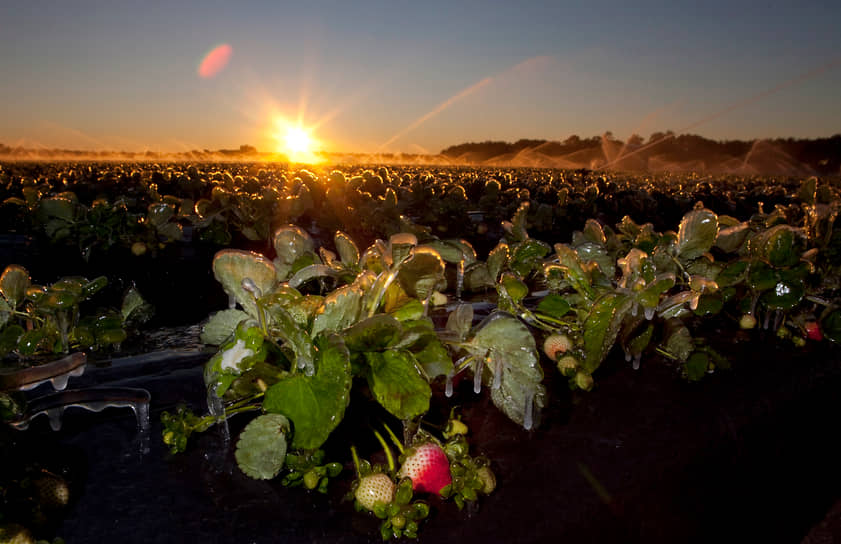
(413, 76)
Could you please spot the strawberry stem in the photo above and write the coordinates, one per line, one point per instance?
(394, 438)
(387, 450)
(355, 460)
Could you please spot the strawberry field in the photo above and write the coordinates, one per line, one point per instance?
(354, 354)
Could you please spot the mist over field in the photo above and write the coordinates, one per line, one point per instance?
(662, 152)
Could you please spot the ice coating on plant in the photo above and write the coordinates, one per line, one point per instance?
(528, 411)
(290, 244)
(448, 385)
(232, 357)
(232, 266)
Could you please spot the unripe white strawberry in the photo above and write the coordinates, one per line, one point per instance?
(556, 344)
(374, 488)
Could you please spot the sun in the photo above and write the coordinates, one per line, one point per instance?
(296, 142)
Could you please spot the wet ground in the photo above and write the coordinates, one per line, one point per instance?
(748, 455)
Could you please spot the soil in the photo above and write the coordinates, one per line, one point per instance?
(746, 455)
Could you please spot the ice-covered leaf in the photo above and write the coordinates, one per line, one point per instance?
(13, 284)
(339, 310)
(519, 393)
(397, 384)
(261, 448)
(134, 309)
(496, 260)
(232, 266)
(460, 320)
(590, 252)
(477, 276)
(290, 244)
(308, 273)
(527, 256)
(697, 233)
(294, 338)
(514, 287)
(421, 272)
(348, 252)
(221, 325)
(574, 271)
(601, 327)
(315, 404)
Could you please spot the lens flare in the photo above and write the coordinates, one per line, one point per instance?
(215, 61)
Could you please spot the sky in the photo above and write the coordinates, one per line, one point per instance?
(412, 77)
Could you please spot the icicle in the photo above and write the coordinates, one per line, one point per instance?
(649, 313)
(528, 416)
(497, 368)
(448, 387)
(765, 322)
(54, 415)
(477, 375)
(217, 410)
(60, 382)
(232, 302)
(637, 359)
(628, 356)
(459, 278)
(693, 302)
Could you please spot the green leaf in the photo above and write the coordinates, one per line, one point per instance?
(294, 337)
(697, 233)
(221, 326)
(373, 334)
(601, 327)
(397, 384)
(315, 404)
(731, 239)
(290, 244)
(433, 357)
(554, 306)
(696, 366)
(678, 339)
(732, 274)
(514, 287)
(261, 448)
(784, 296)
(528, 256)
(780, 245)
(831, 326)
(572, 267)
(5, 312)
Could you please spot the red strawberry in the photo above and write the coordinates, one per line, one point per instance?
(428, 468)
(374, 488)
(813, 331)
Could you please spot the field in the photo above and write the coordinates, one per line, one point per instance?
(634, 358)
